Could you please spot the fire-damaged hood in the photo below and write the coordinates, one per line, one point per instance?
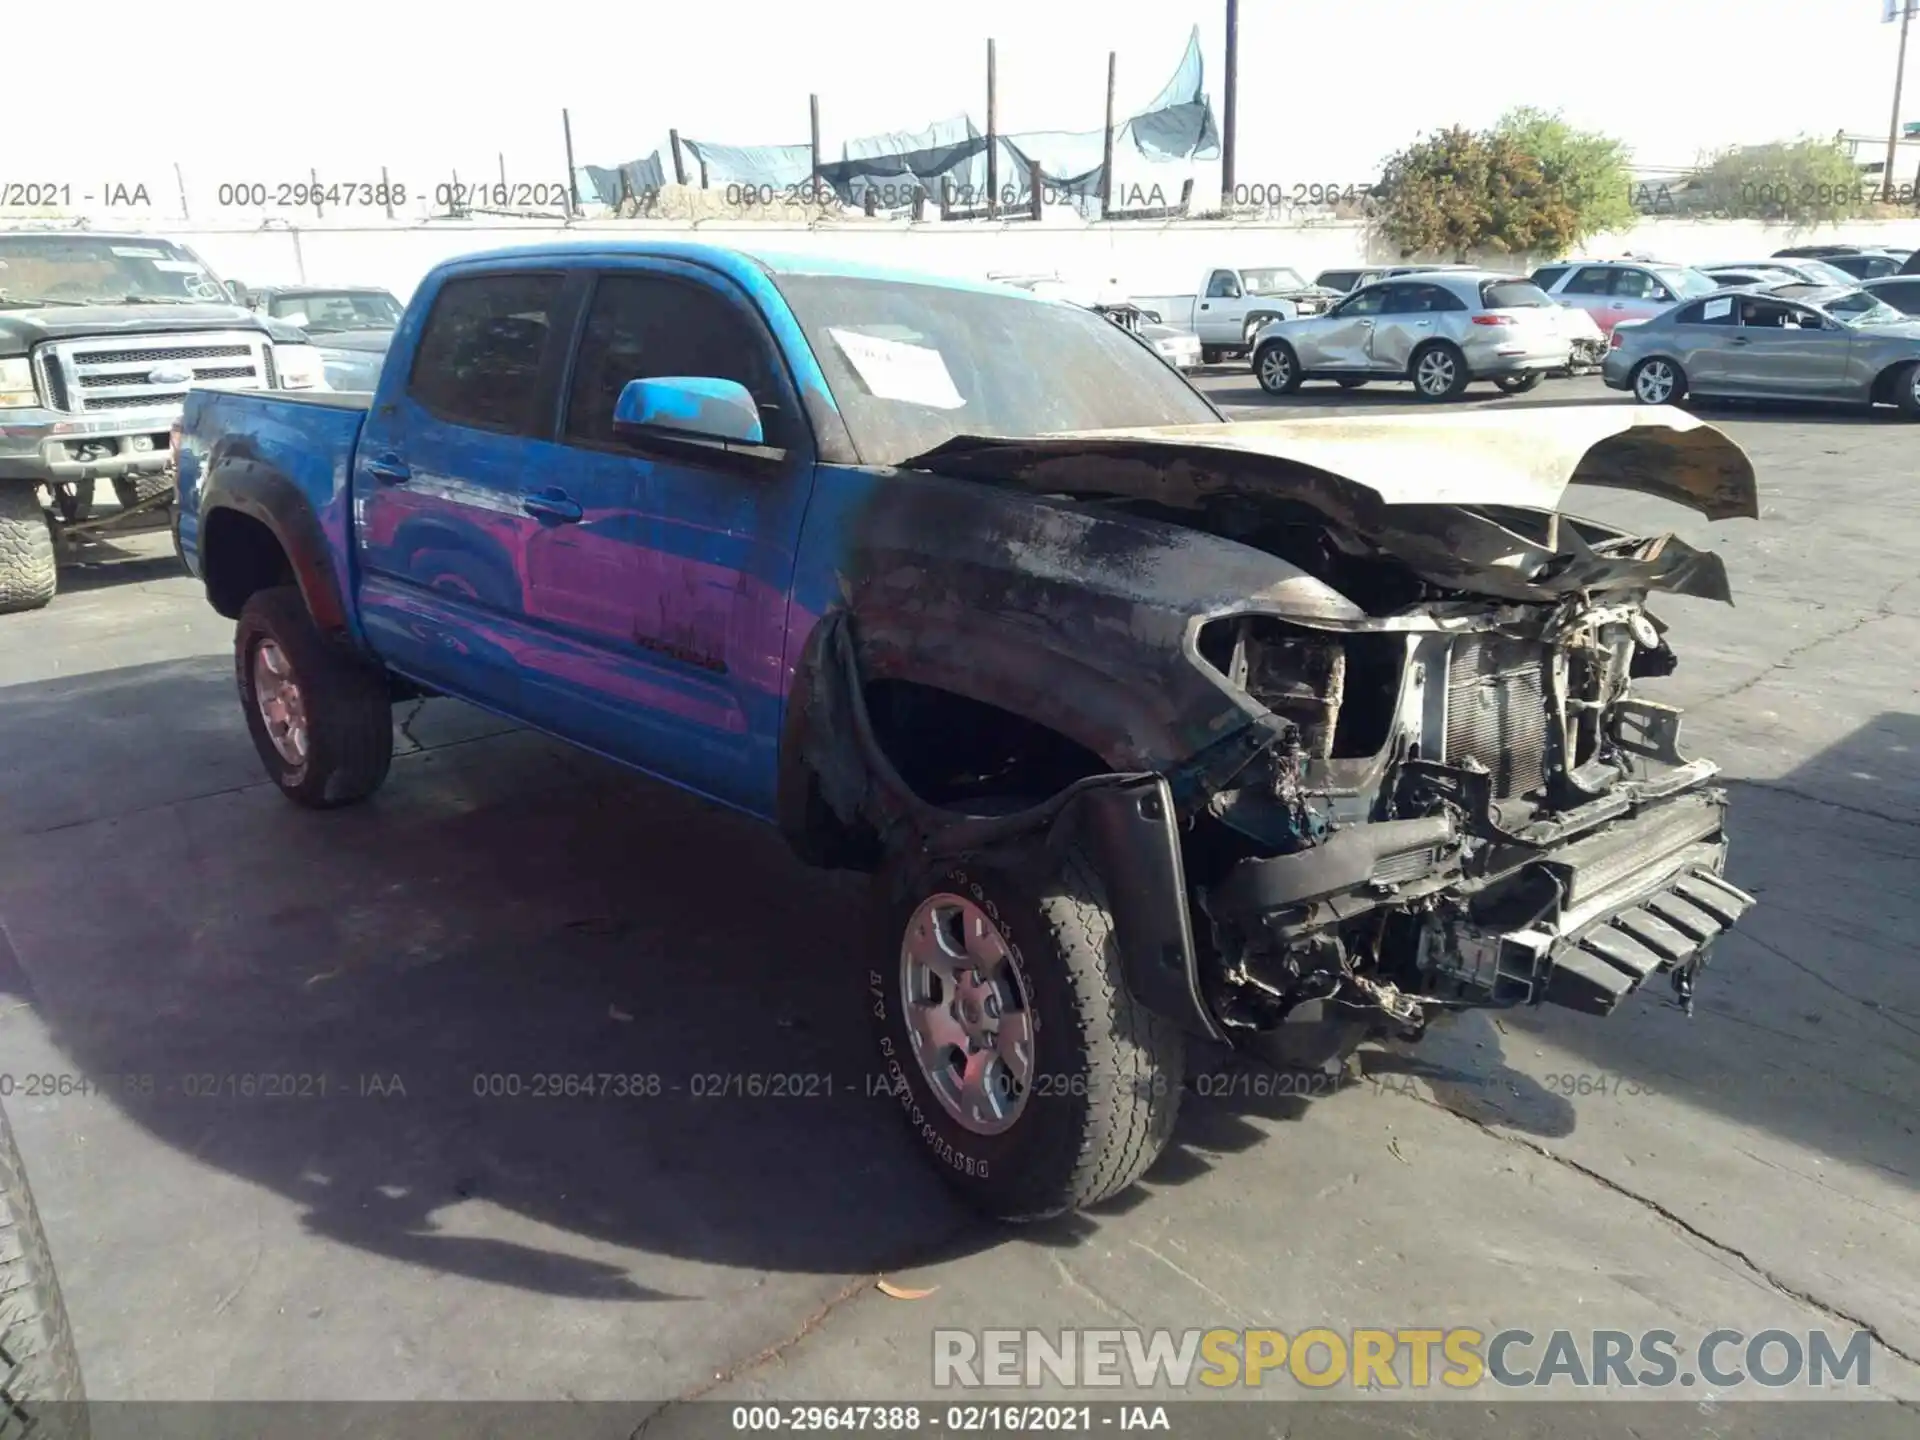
(1469, 500)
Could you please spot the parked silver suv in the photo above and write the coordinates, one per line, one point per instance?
(1441, 330)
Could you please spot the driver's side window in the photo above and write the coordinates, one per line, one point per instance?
(1225, 285)
(644, 327)
(1363, 302)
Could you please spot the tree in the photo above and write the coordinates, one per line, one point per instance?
(1588, 169)
(1800, 182)
(1459, 191)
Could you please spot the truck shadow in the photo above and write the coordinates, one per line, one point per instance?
(518, 978)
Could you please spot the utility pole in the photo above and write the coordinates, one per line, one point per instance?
(573, 184)
(813, 174)
(1893, 125)
(993, 141)
(1106, 147)
(1230, 118)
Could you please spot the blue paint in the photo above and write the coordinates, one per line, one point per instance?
(691, 405)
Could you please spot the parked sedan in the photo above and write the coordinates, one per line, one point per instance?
(1441, 330)
(1836, 344)
(1902, 292)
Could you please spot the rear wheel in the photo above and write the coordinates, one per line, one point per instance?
(1277, 368)
(41, 1393)
(321, 718)
(1007, 1033)
(28, 574)
(1438, 371)
(1658, 382)
(1518, 384)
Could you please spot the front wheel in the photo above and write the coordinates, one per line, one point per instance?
(1658, 382)
(1277, 368)
(321, 718)
(1439, 372)
(1518, 384)
(28, 570)
(41, 1392)
(1007, 1033)
(1907, 392)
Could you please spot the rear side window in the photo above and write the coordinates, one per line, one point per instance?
(1547, 274)
(1338, 279)
(1902, 295)
(1706, 312)
(481, 353)
(1513, 295)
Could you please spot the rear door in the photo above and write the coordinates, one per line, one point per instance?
(1590, 288)
(438, 477)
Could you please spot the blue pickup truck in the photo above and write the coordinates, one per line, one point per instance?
(1151, 728)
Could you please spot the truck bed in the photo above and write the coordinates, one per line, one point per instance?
(297, 439)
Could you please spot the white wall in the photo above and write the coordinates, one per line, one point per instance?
(1145, 257)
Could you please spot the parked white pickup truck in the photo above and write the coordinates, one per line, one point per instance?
(1231, 304)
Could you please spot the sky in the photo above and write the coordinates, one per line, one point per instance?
(247, 91)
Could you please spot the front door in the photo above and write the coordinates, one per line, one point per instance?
(1408, 315)
(1216, 314)
(661, 582)
(1787, 351)
(1342, 339)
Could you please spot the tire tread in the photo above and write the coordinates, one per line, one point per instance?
(39, 1365)
(29, 573)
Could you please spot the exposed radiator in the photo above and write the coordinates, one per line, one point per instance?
(1497, 710)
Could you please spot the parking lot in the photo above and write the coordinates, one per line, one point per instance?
(384, 1227)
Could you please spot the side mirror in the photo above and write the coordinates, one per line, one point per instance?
(699, 406)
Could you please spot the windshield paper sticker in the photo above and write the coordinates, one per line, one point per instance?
(894, 370)
(1716, 308)
(177, 267)
(134, 252)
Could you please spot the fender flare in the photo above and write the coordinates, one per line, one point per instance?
(260, 492)
(831, 761)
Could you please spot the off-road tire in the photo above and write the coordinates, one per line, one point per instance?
(131, 490)
(1269, 358)
(28, 574)
(1519, 384)
(348, 706)
(1462, 377)
(1107, 1072)
(41, 1393)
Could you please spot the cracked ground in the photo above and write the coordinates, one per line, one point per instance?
(508, 907)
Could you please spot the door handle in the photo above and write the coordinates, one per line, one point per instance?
(388, 469)
(1738, 340)
(1366, 324)
(1618, 305)
(552, 505)
(1423, 324)
(1203, 305)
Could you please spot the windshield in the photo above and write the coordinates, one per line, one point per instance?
(1271, 282)
(1688, 283)
(101, 269)
(913, 365)
(1858, 307)
(331, 311)
(1821, 270)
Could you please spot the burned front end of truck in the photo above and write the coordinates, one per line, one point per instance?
(1442, 788)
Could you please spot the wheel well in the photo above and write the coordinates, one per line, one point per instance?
(239, 556)
(951, 749)
(1883, 384)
